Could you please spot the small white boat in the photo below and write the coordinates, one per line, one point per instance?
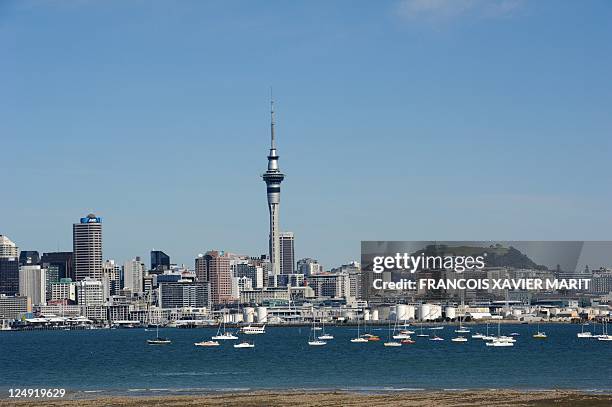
(515, 334)
(312, 339)
(317, 343)
(459, 339)
(326, 337)
(585, 335)
(604, 338)
(359, 340)
(207, 343)
(406, 332)
(540, 335)
(497, 343)
(436, 328)
(253, 330)
(224, 337)
(392, 344)
(436, 338)
(401, 336)
(244, 345)
(159, 341)
(477, 335)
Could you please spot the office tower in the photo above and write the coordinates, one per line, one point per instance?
(287, 253)
(87, 247)
(14, 307)
(250, 270)
(111, 273)
(7, 248)
(9, 275)
(133, 272)
(65, 289)
(214, 268)
(160, 261)
(309, 266)
(33, 283)
(63, 261)
(51, 277)
(184, 294)
(90, 296)
(273, 178)
(29, 257)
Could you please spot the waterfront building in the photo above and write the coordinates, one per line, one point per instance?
(9, 275)
(65, 289)
(29, 257)
(33, 283)
(63, 262)
(14, 307)
(259, 296)
(8, 249)
(287, 253)
(214, 268)
(87, 247)
(160, 261)
(328, 285)
(184, 294)
(273, 178)
(90, 296)
(133, 273)
(309, 266)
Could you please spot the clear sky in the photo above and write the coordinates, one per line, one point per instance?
(404, 120)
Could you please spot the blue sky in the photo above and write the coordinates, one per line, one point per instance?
(397, 120)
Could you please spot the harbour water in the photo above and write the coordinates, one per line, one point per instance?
(120, 361)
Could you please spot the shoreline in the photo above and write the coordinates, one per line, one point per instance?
(497, 397)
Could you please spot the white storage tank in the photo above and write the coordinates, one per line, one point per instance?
(366, 315)
(400, 312)
(374, 315)
(248, 314)
(450, 312)
(262, 315)
(517, 312)
(436, 311)
(425, 312)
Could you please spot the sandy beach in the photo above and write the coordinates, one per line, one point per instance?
(311, 399)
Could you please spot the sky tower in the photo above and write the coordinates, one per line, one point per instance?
(273, 178)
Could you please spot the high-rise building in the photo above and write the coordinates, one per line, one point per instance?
(214, 268)
(251, 270)
(133, 272)
(90, 296)
(7, 248)
(9, 275)
(160, 261)
(87, 247)
(111, 273)
(287, 253)
(29, 257)
(63, 261)
(65, 289)
(309, 266)
(184, 294)
(273, 178)
(33, 283)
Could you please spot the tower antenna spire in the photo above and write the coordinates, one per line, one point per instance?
(272, 136)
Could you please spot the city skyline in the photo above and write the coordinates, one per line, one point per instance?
(396, 122)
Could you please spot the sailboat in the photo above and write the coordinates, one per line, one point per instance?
(403, 334)
(500, 341)
(244, 344)
(539, 334)
(487, 337)
(605, 336)
(158, 340)
(462, 329)
(314, 341)
(325, 336)
(389, 341)
(422, 335)
(583, 334)
(358, 339)
(225, 335)
(207, 343)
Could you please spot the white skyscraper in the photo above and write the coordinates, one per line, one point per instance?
(7, 248)
(33, 283)
(133, 273)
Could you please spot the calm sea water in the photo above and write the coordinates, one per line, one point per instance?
(120, 361)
